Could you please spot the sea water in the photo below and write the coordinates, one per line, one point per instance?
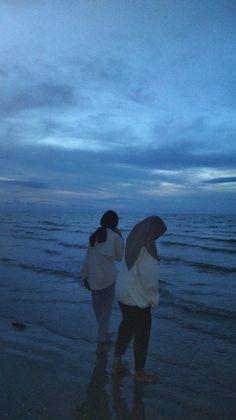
(197, 257)
(197, 286)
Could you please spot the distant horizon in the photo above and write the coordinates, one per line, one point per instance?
(94, 211)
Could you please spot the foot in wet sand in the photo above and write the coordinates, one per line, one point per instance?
(145, 378)
(18, 325)
(101, 348)
(119, 367)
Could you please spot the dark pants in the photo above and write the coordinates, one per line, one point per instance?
(136, 324)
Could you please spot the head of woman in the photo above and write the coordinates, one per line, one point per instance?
(109, 220)
(144, 234)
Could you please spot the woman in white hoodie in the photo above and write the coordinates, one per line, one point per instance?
(137, 293)
(99, 272)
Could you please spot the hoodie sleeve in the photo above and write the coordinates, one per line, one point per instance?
(148, 269)
(119, 247)
(113, 248)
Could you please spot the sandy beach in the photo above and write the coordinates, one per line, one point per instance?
(49, 369)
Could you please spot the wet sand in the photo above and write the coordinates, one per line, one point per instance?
(49, 369)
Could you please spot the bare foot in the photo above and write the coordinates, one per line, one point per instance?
(119, 367)
(101, 348)
(144, 377)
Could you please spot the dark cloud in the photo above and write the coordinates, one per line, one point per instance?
(180, 155)
(177, 155)
(108, 109)
(49, 94)
(221, 180)
(23, 183)
(113, 75)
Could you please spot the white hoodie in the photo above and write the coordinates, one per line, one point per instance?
(139, 285)
(99, 263)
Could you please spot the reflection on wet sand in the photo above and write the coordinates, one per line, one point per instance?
(120, 405)
(97, 404)
(102, 405)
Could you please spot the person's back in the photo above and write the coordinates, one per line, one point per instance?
(137, 293)
(99, 272)
(99, 266)
(139, 285)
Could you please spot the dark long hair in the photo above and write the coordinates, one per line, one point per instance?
(109, 220)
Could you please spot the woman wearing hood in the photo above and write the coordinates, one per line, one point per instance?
(99, 271)
(137, 293)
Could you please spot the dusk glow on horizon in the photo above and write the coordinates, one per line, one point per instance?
(118, 104)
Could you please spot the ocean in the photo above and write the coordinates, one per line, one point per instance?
(194, 326)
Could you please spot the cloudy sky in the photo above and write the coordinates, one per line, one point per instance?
(124, 104)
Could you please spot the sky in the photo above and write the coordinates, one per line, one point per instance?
(119, 104)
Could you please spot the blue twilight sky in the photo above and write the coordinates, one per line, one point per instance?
(118, 104)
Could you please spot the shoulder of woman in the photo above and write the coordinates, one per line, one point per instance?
(112, 234)
(146, 257)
